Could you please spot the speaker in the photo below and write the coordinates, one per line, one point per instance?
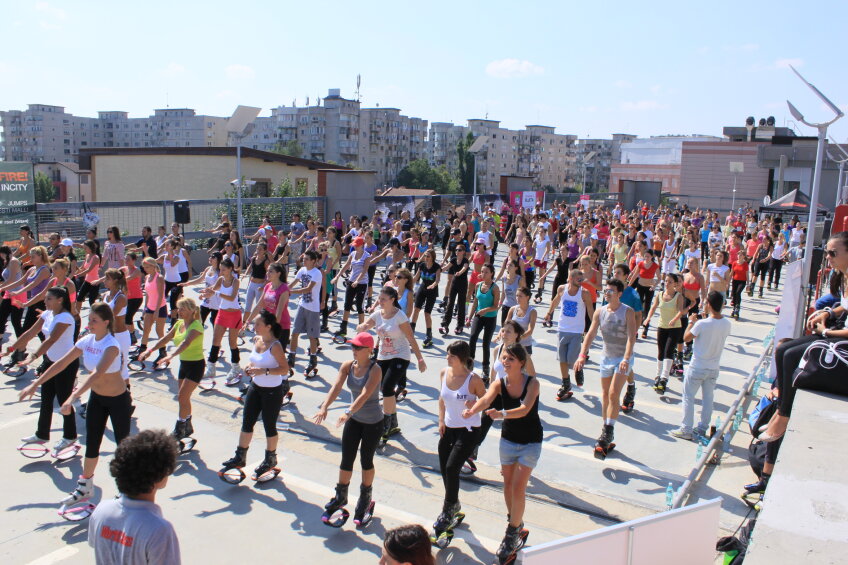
(436, 203)
(182, 214)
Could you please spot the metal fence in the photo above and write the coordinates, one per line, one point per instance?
(66, 218)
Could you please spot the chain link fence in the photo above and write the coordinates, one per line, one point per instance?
(69, 219)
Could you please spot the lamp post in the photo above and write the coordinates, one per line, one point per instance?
(839, 183)
(587, 157)
(736, 167)
(239, 125)
(475, 149)
(814, 193)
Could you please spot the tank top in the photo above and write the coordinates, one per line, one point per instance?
(778, 251)
(486, 300)
(619, 252)
(524, 322)
(266, 360)
(258, 269)
(18, 277)
(93, 274)
(71, 295)
(172, 272)
(36, 290)
(524, 430)
(572, 312)
(614, 331)
(454, 401)
(133, 285)
(356, 265)
(209, 279)
(226, 303)
(668, 310)
(404, 299)
(151, 289)
(333, 253)
(509, 290)
(111, 302)
(371, 412)
(272, 301)
(182, 266)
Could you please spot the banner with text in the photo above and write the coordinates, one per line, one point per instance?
(17, 199)
(527, 199)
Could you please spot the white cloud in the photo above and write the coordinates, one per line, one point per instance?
(655, 89)
(173, 69)
(239, 72)
(587, 109)
(513, 68)
(51, 11)
(621, 83)
(784, 63)
(640, 106)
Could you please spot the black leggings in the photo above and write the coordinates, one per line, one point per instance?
(530, 277)
(265, 400)
(787, 357)
(486, 325)
(102, 408)
(32, 313)
(364, 437)
(455, 447)
(646, 295)
(88, 291)
(736, 289)
(667, 340)
(394, 375)
(205, 312)
(459, 288)
(354, 296)
(133, 304)
(60, 388)
(173, 291)
(774, 271)
(9, 310)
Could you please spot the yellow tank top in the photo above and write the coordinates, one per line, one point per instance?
(668, 310)
(334, 257)
(620, 253)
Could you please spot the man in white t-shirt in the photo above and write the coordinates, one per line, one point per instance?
(710, 335)
(307, 319)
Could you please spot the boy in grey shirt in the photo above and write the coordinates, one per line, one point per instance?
(130, 529)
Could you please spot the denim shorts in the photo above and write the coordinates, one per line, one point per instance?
(609, 365)
(523, 454)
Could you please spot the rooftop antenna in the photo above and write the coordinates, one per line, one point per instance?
(358, 83)
(307, 101)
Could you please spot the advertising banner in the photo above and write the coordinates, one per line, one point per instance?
(17, 199)
(520, 200)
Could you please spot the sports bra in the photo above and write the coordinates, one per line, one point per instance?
(111, 303)
(692, 286)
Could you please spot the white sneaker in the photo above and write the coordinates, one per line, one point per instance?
(62, 444)
(33, 439)
(234, 376)
(83, 492)
(210, 370)
(682, 433)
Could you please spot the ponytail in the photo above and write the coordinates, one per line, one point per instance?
(270, 319)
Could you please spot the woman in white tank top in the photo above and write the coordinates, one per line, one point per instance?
(460, 389)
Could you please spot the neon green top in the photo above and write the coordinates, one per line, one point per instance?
(194, 351)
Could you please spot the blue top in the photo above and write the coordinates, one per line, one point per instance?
(486, 300)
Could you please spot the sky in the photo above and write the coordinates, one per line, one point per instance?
(587, 68)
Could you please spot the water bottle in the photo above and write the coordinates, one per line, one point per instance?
(737, 421)
(716, 427)
(700, 451)
(669, 496)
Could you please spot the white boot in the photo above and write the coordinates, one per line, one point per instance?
(83, 492)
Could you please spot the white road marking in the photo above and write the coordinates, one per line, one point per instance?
(56, 556)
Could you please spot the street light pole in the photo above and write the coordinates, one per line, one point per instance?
(239, 185)
(814, 195)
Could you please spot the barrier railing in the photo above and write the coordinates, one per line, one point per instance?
(734, 416)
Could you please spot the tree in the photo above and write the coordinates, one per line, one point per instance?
(419, 174)
(45, 191)
(291, 148)
(466, 164)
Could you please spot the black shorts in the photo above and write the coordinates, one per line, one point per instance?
(192, 370)
(394, 375)
(694, 307)
(426, 298)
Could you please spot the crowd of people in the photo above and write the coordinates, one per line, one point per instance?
(612, 271)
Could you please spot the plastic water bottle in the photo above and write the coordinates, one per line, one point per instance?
(737, 421)
(669, 496)
(700, 451)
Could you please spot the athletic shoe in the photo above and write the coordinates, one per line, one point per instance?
(63, 444)
(682, 433)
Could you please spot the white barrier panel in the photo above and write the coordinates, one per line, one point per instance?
(686, 535)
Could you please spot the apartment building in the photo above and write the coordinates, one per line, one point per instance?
(389, 141)
(45, 133)
(597, 156)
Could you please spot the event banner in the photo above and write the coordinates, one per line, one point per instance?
(17, 199)
(526, 199)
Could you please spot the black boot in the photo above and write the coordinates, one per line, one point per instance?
(362, 505)
(238, 461)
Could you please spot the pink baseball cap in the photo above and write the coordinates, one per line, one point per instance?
(363, 339)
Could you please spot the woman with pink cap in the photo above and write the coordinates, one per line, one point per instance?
(357, 282)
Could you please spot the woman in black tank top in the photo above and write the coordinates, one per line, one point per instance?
(521, 438)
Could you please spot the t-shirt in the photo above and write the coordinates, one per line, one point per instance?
(648, 272)
(151, 245)
(631, 298)
(454, 266)
(93, 351)
(740, 271)
(272, 301)
(310, 300)
(125, 531)
(194, 352)
(428, 275)
(393, 342)
(710, 335)
(65, 341)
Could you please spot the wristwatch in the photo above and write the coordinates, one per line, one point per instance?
(267, 371)
(503, 414)
(348, 412)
